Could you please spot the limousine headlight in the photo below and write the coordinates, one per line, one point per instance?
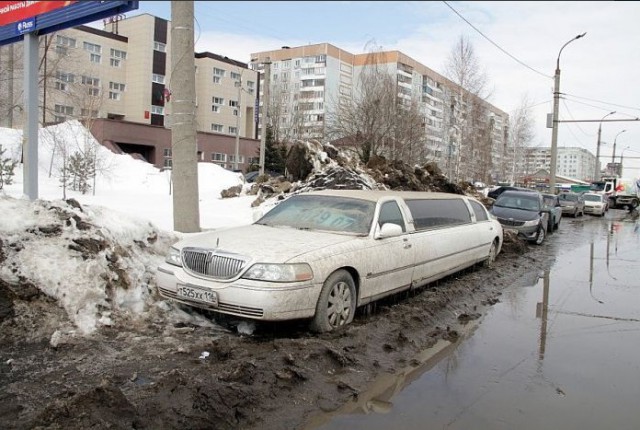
(279, 272)
(173, 257)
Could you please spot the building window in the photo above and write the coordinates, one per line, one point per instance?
(216, 79)
(233, 130)
(168, 163)
(114, 62)
(232, 158)
(86, 113)
(116, 86)
(158, 79)
(233, 103)
(95, 58)
(217, 127)
(218, 72)
(215, 108)
(235, 76)
(236, 112)
(62, 112)
(92, 47)
(286, 64)
(158, 46)
(94, 92)
(65, 41)
(217, 100)
(115, 96)
(216, 156)
(88, 80)
(157, 110)
(167, 152)
(116, 53)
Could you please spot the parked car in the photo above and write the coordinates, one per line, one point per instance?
(553, 203)
(320, 255)
(572, 204)
(499, 190)
(595, 204)
(524, 212)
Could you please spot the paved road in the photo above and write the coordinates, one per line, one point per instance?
(560, 351)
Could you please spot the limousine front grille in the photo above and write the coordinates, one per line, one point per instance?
(511, 222)
(212, 264)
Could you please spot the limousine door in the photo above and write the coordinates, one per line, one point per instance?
(446, 240)
(390, 260)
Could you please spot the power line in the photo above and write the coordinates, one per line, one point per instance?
(495, 44)
(572, 117)
(600, 101)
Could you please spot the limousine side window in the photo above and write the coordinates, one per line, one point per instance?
(390, 213)
(478, 209)
(431, 213)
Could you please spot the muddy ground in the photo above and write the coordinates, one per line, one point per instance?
(159, 375)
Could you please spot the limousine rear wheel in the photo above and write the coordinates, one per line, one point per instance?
(336, 304)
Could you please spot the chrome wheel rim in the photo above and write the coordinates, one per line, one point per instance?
(339, 306)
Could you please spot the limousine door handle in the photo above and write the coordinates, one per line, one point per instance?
(407, 245)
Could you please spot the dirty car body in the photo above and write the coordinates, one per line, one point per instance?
(524, 212)
(320, 255)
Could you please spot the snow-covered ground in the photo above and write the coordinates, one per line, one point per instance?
(105, 271)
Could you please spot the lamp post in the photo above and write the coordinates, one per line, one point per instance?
(596, 173)
(265, 108)
(622, 158)
(554, 133)
(613, 155)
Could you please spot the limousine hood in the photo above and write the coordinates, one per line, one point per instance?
(516, 214)
(263, 243)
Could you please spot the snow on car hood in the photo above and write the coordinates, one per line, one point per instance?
(516, 214)
(263, 243)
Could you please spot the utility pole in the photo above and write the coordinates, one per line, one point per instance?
(596, 173)
(184, 149)
(554, 132)
(265, 109)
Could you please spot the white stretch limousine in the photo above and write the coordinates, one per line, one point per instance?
(321, 254)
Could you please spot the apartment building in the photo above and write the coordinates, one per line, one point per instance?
(571, 162)
(307, 83)
(120, 77)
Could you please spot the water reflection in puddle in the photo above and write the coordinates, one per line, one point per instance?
(561, 351)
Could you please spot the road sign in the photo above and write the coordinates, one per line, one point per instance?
(18, 18)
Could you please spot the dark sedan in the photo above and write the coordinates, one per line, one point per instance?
(524, 212)
(572, 204)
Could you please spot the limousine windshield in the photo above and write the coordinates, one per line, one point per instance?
(327, 213)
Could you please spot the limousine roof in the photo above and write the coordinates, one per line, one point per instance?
(374, 195)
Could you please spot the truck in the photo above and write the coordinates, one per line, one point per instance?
(623, 193)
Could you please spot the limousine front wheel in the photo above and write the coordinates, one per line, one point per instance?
(336, 304)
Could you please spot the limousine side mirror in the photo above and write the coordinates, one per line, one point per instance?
(389, 230)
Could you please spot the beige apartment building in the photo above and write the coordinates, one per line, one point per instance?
(313, 80)
(119, 79)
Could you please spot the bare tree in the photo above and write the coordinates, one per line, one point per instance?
(520, 136)
(469, 125)
(375, 120)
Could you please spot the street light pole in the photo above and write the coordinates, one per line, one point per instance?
(554, 133)
(613, 155)
(622, 158)
(596, 173)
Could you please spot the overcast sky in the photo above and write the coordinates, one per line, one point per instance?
(599, 72)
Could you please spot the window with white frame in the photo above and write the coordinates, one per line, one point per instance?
(217, 156)
(233, 130)
(217, 100)
(89, 113)
(157, 110)
(218, 72)
(62, 112)
(236, 112)
(116, 86)
(217, 127)
(235, 76)
(95, 58)
(167, 152)
(115, 62)
(117, 53)
(88, 80)
(115, 96)
(69, 42)
(95, 92)
(217, 79)
(159, 46)
(232, 158)
(92, 47)
(233, 103)
(158, 79)
(215, 108)
(286, 64)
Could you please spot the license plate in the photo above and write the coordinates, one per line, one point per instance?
(197, 294)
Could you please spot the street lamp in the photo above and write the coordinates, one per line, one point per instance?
(265, 108)
(554, 133)
(596, 173)
(613, 155)
(238, 84)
